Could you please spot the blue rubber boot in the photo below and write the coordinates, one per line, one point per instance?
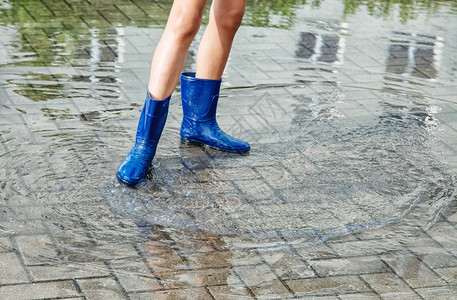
(152, 120)
(199, 126)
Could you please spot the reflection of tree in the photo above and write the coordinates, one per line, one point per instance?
(56, 31)
(272, 13)
(59, 31)
(408, 9)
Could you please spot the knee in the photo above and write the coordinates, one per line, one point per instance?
(187, 24)
(230, 19)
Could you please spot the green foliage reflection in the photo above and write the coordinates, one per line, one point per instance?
(406, 9)
(56, 32)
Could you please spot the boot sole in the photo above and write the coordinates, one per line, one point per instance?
(196, 143)
(126, 182)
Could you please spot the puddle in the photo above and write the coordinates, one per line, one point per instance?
(344, 133)
(328, 176)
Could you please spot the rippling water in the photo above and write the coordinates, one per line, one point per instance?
(334, 151)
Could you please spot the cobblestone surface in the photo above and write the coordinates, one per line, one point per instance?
(320, 223)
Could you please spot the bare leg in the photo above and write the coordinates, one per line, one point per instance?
(214, 50)
(182, 26)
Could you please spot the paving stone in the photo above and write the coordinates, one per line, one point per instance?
(244, 257)
(327, 286)
(101, 288)
(361, 296)
(68, 196)
(262, 224)
(226, 174)
(59, 289)
(255, 275)
(5, 245)
(193, 293)
(227, 292)
(22, 227)
(194, 278)
(287, 264)
(134, 276)
(219, 259)
(37, 249)
(67, 271)
(255, 189)
(441, 293)
(446, 235)
(320, 298)
(430, 252)
(12, 271)
(410, 269)
(366, 247)
(272, 289)
(105, 251)
(235, 205)
(286, 209)
(402, 296)
(20, 213)
(448, 274)
(315, 251)
(349, 266)
(387, 284)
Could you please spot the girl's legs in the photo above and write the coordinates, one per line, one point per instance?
(183, 23)
(182, 26)
(225, 19)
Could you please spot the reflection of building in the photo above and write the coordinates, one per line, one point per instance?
(412, 61)
(104, 51)
(108, 46)
(328, 47)
(416, 55)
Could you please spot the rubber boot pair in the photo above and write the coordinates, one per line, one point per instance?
(199, 126)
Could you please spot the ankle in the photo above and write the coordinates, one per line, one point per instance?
(158, 96)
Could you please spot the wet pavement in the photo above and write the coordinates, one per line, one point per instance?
(348, 191)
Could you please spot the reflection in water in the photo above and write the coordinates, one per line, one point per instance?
(103, 48)
(413, 60)
(414, 55)
(405, 9)
(316, 128)
(72, 33)
(99, 59)
(328, 48)
(378, 170)
(204, 218)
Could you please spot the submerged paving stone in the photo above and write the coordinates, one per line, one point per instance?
(230, 292)
(348, 191)
(388, 284)
(44, 290)
(192, 293)
(12, 271)
(327, 286)
(101, 288)
(413, 271)
(444, 292)
(37, 249)
(349, 266)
